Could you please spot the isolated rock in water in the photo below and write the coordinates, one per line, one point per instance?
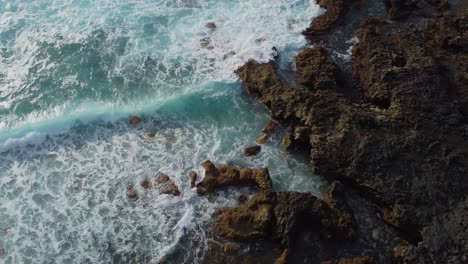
(225, 175)
(193, 178)
(170, 188)
(166, 185)
(132, 194)
(206, 43)
(243, 198)
(146, 184)
(150, 134)
(135, 120)
(252, 150)
(211, 25)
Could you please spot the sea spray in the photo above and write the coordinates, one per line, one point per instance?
(72, 72)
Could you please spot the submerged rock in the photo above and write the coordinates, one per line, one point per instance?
(135, 120)
(150, 134)
(211, 25)
(132, 193)
(252, 150)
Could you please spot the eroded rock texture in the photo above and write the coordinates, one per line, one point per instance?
(405, 147)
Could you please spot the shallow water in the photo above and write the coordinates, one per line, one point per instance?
(72, 72)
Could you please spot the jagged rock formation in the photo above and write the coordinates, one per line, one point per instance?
(404, 148)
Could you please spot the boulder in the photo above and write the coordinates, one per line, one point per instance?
(252, 150)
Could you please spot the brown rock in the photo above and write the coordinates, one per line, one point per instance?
(166, 185)
(270, 127)
(252, 150)
(283, 258)
(317, 71)
(262, 138)
(146, 184)
(170, 188)
(334, 13)
(243, 198)
(226, 175)
(150, 134)
(132, 194)
(161, 178)
(274, 215)
(135, 120)
(193, 178)
(400, 251)
(358, 260)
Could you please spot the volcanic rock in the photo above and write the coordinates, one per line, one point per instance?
(252, 150)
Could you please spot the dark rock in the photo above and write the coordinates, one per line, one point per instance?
(270, 127)
(317, 71)
(243, 198)
(166, 185)
(132, 194)
(252, 150)
(161, 178)
(135, 120)
(405, 147)
(358, 260)
(193, 178)
(170, 188)
(211, 25)
(334, 13)
(146, 184)
(273, 215)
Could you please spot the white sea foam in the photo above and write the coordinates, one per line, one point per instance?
(72, 72)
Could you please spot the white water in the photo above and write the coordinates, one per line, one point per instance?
(72, 72)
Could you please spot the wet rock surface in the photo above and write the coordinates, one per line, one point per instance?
(227, 175)
(400, 152)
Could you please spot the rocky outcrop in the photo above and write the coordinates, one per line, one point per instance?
(226, 175)
(316, 71)
(278, 216)
(404, 148)
(334, 13)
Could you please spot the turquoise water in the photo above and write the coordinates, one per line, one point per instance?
(71, 74)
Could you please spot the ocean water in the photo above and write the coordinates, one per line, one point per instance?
(72, 72)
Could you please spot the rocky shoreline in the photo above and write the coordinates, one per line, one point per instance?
(393, 144)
